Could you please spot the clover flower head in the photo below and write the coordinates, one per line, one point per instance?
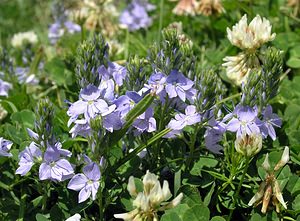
(209, 7)
(252, 36)
(5, 146)
(22, 38)
(186, 7)
(238, 67)
(270, 188)
(87, 183)
(148, 202)
(248, 144)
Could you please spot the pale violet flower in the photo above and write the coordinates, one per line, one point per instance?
(54, 166)
(87, 183)
(24, 37)
(252, 36)
(151, 200)
(189, 118)
(245, 121)
(270, 120)
(28, 158)
(5, 146)
(4, 88)
(90, 105)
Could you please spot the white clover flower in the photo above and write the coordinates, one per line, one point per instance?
(252, 36)
(25, 37)
(238, 67)
(148, 202)
(248, 145)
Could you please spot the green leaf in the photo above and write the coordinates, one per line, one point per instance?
(196, 213)
(56, 70)
(25, 118)
(203, 162)
(171, 217)
(37, 201)
(218, 218)
(293, 62)
(207, 198)
(192, 195)
(296, 203)
(41, 217)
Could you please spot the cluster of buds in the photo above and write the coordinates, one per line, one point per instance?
(249, 38)
(193, 7)
(148, 202)
(269, 188)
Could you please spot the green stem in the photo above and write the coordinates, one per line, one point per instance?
(127, 44)
(236, 195)
(229, 98)
(161, 15)
(101, 217)
(192, 148)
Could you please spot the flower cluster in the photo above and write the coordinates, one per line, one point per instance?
(150, 200)
(249, 38)
(135, 16)
(61, 24)
(23, 38)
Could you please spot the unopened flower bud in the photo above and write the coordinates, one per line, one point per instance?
(277, 193)
(284, 159)
(248, 145)
(259, 195)
(266, 163)
(131, 187)
(266, 199)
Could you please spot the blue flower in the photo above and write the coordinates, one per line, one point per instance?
(54, 167)
(189, 118)
(5, 146)
(90, 104)
(28, 158)
(245, 121)
(135, 16)
(213, 135)
(270, 120)
(87, 182)
(178, 85)
(4, 88)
